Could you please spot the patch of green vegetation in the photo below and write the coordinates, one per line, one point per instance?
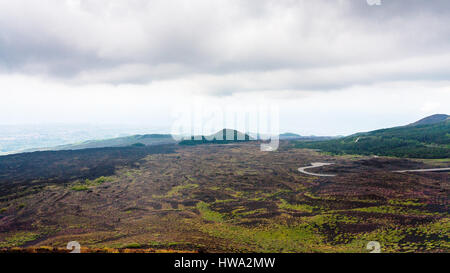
(252, 212)
(80, 188)
(278, 193)
(19, 239)
(87, 184)
(155, 243)
(393, 210)
(428, 237)
(275, 238)
(209, 214)
(242, 211)
(234, 193)
(332, 219)
(367, 201)
(21, 206)
(98, 181)
(192, 179)
(312, 196)
(133, 245)
(437, 160)
(412, 203)
(298, 207)
(177, 189)
(224, 201)
(330, 225)
(3, 210)
(172, 244)
(237, 210)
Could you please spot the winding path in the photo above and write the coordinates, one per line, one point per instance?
(320, 164)
(316, 165)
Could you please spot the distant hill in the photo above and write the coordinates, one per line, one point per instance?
(222, 137)
(431, 119)
(292, 136)
(427, 138)
(148, 140)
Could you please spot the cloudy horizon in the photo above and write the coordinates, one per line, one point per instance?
(332, 67)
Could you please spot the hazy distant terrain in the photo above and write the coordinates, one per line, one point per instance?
(31, 137)
(149, 139)
(144, 139)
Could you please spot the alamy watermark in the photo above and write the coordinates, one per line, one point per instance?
(373, 2)
(374, 246)
(198, 120)
(74, 246)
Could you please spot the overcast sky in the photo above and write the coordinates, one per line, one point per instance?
(333, 67)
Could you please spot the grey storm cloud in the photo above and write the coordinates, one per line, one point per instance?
(227, 46)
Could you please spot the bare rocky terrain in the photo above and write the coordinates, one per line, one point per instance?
(220, 198)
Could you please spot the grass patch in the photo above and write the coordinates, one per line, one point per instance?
(208, 214)
(298, 207)
(19, 239)
(133, 245)
(80, 188)
(275, 238)
(100, 180)
(224, 201)
(177, 189)
(87, 184)
(428, 237)
(278, 193)
(393, 210)
(241, 212)
(411, 203)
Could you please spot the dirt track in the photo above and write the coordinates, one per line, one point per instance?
(316, 165)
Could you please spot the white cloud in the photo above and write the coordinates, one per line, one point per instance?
(430, 107)
(73, 38)
(108, 60)
(358, 108)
